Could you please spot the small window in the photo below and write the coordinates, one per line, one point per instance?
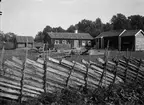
(64, 42)
(83, 43)
(56, 41)
(89, 42)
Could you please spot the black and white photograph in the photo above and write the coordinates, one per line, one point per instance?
(71, 52)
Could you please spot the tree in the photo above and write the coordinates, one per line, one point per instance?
(39, 37)
(84, 26)
(58, 29)
(47, 29)
(10, 37)
(107, 27)
(136, 22)
(98, 23)
(71, 28)
(97, 27)
(119, 22)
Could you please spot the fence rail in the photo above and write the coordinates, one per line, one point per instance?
(20, 80)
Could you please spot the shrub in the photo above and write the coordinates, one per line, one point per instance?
(122, 94)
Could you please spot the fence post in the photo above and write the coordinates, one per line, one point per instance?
(23, 74)
(2, 57)
(45, 69)
(86, 75)
(127, 59)
(138, 69)
(71, 70)
(115, 70)
(116, 61)
(106, 55)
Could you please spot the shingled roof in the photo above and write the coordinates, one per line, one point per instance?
(131, 33)
(70, 35)
(23, 39)
(110, 33)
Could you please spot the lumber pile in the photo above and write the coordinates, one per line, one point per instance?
(23, 79)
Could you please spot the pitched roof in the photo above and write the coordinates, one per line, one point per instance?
(23, 39)
(130, 33)
(110, 33)
(70, 35)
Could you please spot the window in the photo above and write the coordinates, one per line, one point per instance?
(56, 41)
(83, 43)
(64, 42)
(89, 43)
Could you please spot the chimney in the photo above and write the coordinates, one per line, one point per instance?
(76, 31)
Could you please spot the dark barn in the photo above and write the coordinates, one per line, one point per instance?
(121, 40)
(111, 37)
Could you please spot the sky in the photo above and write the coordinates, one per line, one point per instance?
(28, 17)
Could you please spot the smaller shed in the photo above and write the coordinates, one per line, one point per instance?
(21, 41)
(132, 40)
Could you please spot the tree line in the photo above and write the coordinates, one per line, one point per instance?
(94, 28)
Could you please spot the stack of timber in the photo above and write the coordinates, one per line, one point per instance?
(50, 75)
(128, 69)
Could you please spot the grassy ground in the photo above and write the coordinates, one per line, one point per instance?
(112, 54)
(20, 53)
(97, 53)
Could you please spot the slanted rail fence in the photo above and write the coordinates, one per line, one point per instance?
(20, 80)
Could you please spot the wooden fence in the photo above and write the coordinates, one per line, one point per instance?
(22, 79)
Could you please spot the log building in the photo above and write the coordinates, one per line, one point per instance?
(21, 41)
(68, 40)
(121, 40)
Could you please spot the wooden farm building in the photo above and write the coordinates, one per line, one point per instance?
(21, 41)
(68, 40)
(110, 37)
(121, 40)
(132, 40)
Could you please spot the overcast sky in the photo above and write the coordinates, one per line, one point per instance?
(27, 17)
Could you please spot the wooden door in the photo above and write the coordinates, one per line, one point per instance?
(76, 43)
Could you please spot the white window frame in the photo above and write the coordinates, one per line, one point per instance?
(64, 42)
(89, 42)
(57, 41)
(83, 42)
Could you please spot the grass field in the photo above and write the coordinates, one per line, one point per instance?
(20, 53)
(33, 55)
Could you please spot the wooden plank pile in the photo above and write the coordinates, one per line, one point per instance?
(20, 80)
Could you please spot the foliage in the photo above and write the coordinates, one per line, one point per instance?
(92, 27)
(136, 22)
(39, 37)
(71, 28)
(119, 22)
(8, 37)
(107, 27)
(53, 29)
(116, 94)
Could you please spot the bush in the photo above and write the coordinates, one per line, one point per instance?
(8, 45)
(122, 94)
